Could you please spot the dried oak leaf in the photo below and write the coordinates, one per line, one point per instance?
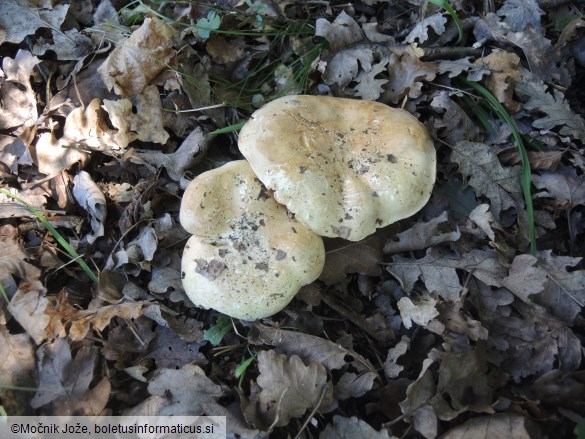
(64, 381)
(289, 388)
(455, 123)
(351, 385)
(352, 428)
(554, 106)
(483, 171)
(519, 14)
(309, 347)
(524, 279)
(342, 33)
(17, 98)
(20, 18)
(503, 67)
(17, 369)
(13, 263)
(405, 75)
(183, 392)
(564, 185)
(420, 30)
(421, 311)
(131, 67)
(438, 270)
(91, 199)
(391, 368)
(500, 425)
(422, 235)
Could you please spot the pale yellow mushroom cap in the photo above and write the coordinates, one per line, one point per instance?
(247, 258)
(344, 167)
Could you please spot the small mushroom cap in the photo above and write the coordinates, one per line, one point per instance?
(344, 167)
(247, 258)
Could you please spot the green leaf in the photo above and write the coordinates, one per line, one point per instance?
(205, 26)
(215, 334)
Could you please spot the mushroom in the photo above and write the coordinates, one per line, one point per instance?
(344, 167)
(247, 257)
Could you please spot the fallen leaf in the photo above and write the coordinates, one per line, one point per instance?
(351, 385)
(289, 388)
(13, 264)
(406, 74)
(454, 123)
(352, 428)
(500, 425)
(90, 198)
(421, 311)
(52, 156)
(519, 14)
(525, 279)
(17, 98)
(17, 370)
(20, 18)
(391, 368)
(131, 67)
(420, 30)
(481, 167)
(556, 109)
(64, 381)
(422, 235)
(342, 33)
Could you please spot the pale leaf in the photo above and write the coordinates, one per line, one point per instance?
(20, 18)
(352, 428)
(131, 67)
(343, 32)
(481, 167)
(554, 106)
(90, 198)
(520, 14)
(498, 426)
(525, 279)
(422, 235)
(289, 388)
(420, 30)
(421, 312)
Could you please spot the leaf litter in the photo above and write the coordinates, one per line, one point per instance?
(440, 325)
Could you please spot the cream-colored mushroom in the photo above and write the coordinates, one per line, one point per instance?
(344, 167)
(247, 258)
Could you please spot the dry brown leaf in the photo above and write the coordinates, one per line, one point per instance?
(519, 14)
(91, 199)
(503, 67)
(351, 385)
(420, 31)
(421, 311)
(309, 347)
(454, 124)
(565, 185)
(131, 67)
(36, 312)
(13, 263)
(343, 257)
(498, 426)
(422, 235)
(17, 98)
(481, 167)
(289, 388)
(342, 33)
(406, 74)
(20, 18)
(391, 368)
(17, 369)
(525, 279)
(352, 428)
(64, 381)
(52, 156)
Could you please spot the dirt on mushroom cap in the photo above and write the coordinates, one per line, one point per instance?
(247, 258)
(344, 167)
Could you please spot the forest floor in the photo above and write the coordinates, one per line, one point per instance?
(463, 320)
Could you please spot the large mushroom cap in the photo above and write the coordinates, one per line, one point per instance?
(246, 258)
(344, 167)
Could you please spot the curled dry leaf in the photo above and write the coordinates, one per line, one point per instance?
(90, 198)
(131, 67)
(421, 311)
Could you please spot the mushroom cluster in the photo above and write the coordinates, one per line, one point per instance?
(316, 166)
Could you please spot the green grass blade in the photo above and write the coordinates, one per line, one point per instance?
(70, 250)
(215, 334)
(446, 6)
(526, 171)
(3, 291)
(229, 128)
